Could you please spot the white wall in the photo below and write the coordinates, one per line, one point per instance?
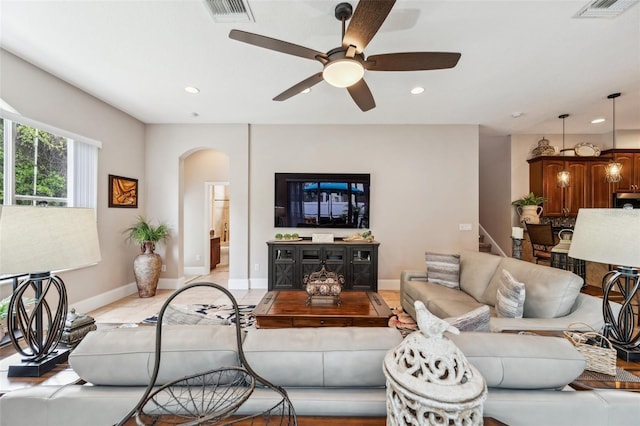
(424, 183)
(43, 97)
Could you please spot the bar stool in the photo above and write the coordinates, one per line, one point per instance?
(560, 256)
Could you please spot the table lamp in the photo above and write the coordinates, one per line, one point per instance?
(34, 241)
(612, 236)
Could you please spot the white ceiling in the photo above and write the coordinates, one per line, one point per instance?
(530, 56)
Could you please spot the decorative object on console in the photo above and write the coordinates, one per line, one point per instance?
(76, 327)
(323, 287)
(613, 171)
(361, 236)
(428, 377)
(321, 238)
(148, 264)
(528, 208)
(43, 239)
(612, 236)
(564, 177)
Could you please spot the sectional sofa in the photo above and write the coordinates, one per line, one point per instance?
(332, 372)
(553, 300)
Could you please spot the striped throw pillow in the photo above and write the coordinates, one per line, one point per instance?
(475, 320)
(443, 269)
(510, 297)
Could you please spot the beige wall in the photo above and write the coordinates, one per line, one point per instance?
(424, 183)
(495, 190)
(42, 97)
(167, 148)
(406, 164)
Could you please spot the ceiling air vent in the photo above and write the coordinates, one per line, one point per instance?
(230, 11)
(605, 8)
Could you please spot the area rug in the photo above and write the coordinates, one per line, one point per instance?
(402, 321)
(206, 315)
(621, 376)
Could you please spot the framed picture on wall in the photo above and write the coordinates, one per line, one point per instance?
(123, 192)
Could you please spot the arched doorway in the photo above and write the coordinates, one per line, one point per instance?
(208, 169)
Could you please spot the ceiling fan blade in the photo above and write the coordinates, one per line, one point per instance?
(304, 84)
(277, 45)
(362, 96)
(412, 61)
(365, 23)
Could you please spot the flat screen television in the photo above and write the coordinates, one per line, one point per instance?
(322, 200)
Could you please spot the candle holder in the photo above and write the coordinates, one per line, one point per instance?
(516, 248)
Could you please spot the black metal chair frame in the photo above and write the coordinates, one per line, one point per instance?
(194, 400)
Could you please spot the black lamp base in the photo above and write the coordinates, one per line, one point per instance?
(37, 369)
(628, 355)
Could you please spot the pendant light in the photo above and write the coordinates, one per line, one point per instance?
(613, 170)
(564, 177)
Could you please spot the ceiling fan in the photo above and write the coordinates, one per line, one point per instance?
(344, 66)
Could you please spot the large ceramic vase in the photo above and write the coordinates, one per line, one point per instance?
(529, 214)
(146, 268)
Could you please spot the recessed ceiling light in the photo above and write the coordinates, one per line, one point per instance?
(307, 90)
(517, 114)
(191, 89)
(598, 120)
(195, 114)
(417, 90)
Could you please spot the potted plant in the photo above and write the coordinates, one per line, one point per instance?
(148, 264)
(528, 208)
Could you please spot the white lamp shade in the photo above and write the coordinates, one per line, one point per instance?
(45, 239)
(610, 236)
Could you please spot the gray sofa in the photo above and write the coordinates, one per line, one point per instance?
(326, 372)
(553, 300)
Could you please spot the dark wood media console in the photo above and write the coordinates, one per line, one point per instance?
(290, 261)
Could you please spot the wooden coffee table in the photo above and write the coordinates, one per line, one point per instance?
(287, 309)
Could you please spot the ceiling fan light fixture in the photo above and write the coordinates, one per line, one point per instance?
(343, 72)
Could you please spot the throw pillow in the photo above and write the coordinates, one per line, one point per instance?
(475, 320)
(510, 297)
(443, 269)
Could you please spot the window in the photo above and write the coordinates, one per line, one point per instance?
(44, 165)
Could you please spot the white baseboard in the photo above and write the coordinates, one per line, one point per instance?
(102, 299)
(195, 270)
(389, 284)
(238, 284)
(259, 283)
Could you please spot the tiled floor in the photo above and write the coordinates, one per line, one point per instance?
(133, 309)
